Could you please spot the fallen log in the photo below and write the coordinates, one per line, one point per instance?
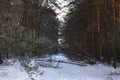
(61, 61)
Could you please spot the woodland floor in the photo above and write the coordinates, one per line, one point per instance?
(13, 69)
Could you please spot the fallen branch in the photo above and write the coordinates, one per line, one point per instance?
(61, 61)
(86, 52)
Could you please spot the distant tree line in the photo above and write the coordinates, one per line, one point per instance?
(26, 29)
(94, 26)
(29, 29)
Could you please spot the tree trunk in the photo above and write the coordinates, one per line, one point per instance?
(114, 35)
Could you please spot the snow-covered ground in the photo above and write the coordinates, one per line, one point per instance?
(16, 71)
(12, 72)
